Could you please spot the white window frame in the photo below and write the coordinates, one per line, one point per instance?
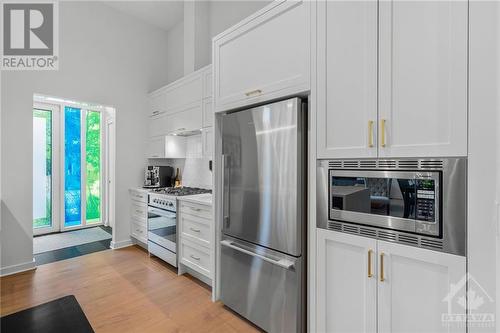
(56, 171)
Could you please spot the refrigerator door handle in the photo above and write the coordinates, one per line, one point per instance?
(281, 262)
(225, 192)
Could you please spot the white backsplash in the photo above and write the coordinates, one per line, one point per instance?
(194, 168)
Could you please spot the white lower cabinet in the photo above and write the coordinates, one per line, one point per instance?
(196, 235)
(139, 216)
(366, 285)
(347, 297)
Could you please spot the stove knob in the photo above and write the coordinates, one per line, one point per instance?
(155, 200)
(170, 204)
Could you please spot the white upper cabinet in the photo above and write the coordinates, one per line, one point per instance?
(423, 78)
(347, 283)
(263, 57)
(208, 113)
(413, 289)
(157, 103)
(347, 79)
(420, 90)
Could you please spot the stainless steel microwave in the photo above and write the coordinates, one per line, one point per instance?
(413, 201)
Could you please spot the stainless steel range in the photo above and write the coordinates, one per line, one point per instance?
(162, 221)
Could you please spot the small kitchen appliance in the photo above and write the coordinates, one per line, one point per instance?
(158, 176)
(417, 202)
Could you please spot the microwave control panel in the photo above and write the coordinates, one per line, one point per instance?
(426, 200)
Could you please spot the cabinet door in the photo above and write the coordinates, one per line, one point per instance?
(208, 142)
(412, 288)
(158, 125)
(208, 113)
(347, 79)
(264, 57)
(423, 78)
(187, 120)
(156, 147)
(346, 294)
(184, 93)
(157, 103)
(207, 82)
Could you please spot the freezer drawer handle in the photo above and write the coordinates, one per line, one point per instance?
(284, 263)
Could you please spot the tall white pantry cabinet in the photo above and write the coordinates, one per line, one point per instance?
(392, 79)
(391, 83)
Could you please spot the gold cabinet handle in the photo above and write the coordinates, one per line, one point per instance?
(382, 277)
(382, 132)
(253, 92)
(370, 133)
(370, 270)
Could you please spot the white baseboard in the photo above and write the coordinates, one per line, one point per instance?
(120, 244)
(19, 268)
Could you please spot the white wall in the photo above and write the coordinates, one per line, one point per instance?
(217, 16)
(484, 105)
(175, 53)
(105, 57)
(225, 14)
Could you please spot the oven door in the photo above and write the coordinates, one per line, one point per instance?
(162, 228)
(399, 200)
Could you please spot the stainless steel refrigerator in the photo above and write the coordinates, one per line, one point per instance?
(263, 247)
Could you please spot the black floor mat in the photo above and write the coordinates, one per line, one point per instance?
(61, 315)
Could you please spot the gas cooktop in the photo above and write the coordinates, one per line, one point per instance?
(180, 191)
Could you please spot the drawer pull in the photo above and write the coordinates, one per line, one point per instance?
(155, 113)
(195, 209)
(194, 257)
(195, 230)
(253, 92)
(138, 211)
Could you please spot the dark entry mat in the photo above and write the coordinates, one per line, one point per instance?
(61, 315)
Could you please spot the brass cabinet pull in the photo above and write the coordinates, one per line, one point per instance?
(195, 230)
(370, 133)
(370, 270)
(253, 92)
(195, 258)
(382, 132)
(382, 277)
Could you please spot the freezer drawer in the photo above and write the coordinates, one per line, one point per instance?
(264, 286)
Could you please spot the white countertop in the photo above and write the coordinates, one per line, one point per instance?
(204, 199)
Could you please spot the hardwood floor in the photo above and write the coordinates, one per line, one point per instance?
(123, 291)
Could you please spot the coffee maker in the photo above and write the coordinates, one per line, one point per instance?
(158, 176)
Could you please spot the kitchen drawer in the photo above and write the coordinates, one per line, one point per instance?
(138, 209)
(139, 220)
(195, 229)
(140, 196)
(195, 257)
(196, 210)
(139, 232)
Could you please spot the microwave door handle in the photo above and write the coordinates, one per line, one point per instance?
(281, 262)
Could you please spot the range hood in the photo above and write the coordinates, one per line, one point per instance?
(185, 132)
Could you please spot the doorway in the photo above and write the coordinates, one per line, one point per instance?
(73, 175)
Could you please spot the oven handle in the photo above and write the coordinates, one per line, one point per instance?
(281, 262)
(161, 212)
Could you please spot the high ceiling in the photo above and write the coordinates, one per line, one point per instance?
(162, 14)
